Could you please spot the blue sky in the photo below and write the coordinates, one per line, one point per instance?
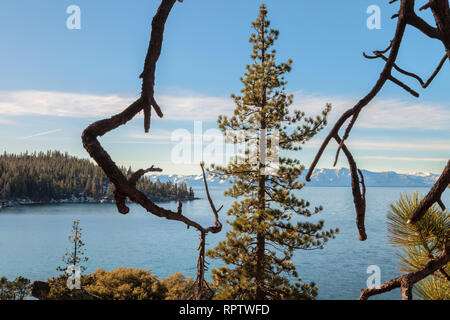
(55, 81)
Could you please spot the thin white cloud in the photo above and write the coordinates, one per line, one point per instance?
(381, 114)
(402, 158)
(192, 107)
(397, 144)
(156, 134)
(160, 136)
(60, 104)
(40, 134)
(186, 107)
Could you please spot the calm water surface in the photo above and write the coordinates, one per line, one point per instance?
(34, 238)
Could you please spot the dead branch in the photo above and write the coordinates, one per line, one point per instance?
(425, 6)
(407, 281)
(441, 13)
(438, 68)
(434, 196)
(121, 197)
(140, 173)
(200, 285)
(217, 224)
(379, 54)
(126, 188)
(406, 16)
(353, 113)
(359, 198)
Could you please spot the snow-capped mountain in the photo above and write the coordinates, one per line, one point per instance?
(328, 178)
(341, 178)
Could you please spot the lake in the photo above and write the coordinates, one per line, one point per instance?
(33, 239)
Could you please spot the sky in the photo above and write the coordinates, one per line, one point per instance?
(55, 81)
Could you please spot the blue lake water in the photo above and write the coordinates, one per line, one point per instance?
(33, 239)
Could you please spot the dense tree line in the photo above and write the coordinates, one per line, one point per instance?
(119, 284)
(42, 177)
(14, 290)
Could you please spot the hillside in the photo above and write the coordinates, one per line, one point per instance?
(57, 177)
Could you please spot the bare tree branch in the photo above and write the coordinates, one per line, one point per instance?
(359, 198)
(198, 292)
(126, 188)
(217, 223)
(148, 75)
(434, 196)
(406, 16)
(379, 54)
(441, 13)
(140, 173)
(384, 76)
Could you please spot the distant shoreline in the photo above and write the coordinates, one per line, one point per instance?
(4, 204)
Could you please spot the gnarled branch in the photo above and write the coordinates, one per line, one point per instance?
(359, 197)
(200, 284)
(434, 196)
(406, 16)
(126, 188)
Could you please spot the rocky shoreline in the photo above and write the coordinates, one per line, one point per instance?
(28, 202)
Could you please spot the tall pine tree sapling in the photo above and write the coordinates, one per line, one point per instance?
(267, 226)
(76, 257)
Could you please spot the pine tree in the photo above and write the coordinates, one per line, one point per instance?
(267, 226)
(419, 243)
(76, 256)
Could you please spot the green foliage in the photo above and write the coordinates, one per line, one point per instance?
(165, 190)
(267, 226)
(14, 290)
(43, 177)
(123, 284)
(420, 242)
(60, 291)
(76, 256)
(433, 288)
(177, 286)
(46, 176)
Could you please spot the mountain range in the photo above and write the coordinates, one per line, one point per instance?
(329, 178)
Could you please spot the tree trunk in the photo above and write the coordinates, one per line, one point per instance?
(260, 245)
(441, 13)
(260, 237)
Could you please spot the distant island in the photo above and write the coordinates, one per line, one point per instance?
(55, 177)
